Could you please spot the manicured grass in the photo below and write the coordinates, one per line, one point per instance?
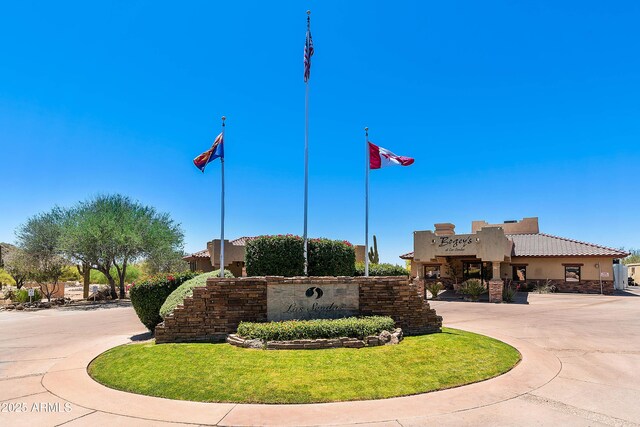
(223, 373)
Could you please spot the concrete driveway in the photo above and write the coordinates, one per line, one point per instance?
(579, 367)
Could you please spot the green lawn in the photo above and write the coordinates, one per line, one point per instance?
(223, 373)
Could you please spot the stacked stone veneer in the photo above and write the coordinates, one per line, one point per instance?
(215, 310)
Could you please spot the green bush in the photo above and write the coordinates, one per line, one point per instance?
(70, 274)
(473, 288)
(331, 258)
(186, 290)
(381, 270)
(22, 295)
(434, 288)
(148, 296)
(284, 256)
(133, 273)
(352, 327)
(5, 278)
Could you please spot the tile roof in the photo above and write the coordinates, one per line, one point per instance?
(542, 245)
(200, 254)
(242, 241)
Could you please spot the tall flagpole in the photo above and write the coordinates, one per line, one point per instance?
(306, 157)
(222, 205)
(366, 203)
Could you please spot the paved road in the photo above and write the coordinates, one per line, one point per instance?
(580, 359)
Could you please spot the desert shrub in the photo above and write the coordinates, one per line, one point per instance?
(5, 278)
(473, 288)
(284, 256)
(352, 327)
(22, 295)
(148, 296)
(331, 258)
(186, 290)
(545, 287)
(381, 270)
(70, 274)
(133, 274)
(434, 288)
(508, 292)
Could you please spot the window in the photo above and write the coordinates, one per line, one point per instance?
(571, 273)
(432, 271)
(471, 270)
(519, 273)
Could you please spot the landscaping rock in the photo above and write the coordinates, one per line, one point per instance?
(385, 337)
(19, 307)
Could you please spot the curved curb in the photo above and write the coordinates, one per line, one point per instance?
(70, 381)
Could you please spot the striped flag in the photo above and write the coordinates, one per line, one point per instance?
(308, 53)
(381, 157)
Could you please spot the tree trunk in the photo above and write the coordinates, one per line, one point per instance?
(85, 271)
(112, 285)
(87, 281)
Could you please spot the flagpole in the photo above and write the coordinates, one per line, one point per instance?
(222, 206)
(306, 160)
(366, 203)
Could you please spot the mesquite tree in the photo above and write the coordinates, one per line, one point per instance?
(115, 231)
(39, 239)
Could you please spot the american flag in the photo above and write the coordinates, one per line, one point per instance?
(308, 53)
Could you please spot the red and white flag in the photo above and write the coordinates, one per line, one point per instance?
(381, 157)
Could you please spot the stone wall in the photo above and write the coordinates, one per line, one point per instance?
(215, 310)
(584, 286)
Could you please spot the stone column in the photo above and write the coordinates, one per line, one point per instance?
(495, 284)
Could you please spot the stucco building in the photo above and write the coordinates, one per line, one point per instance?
(634, 271)
(513, 250)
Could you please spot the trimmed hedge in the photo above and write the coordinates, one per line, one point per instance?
(148, 296)
(382, 270)
(186, 290)
(351, 327)
(331, 258)
(284, 256)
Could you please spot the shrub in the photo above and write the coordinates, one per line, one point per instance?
(331, 258)
(70, 274)
(133, 273)
(284, 256)
(352, 327)
(5, 278)
(508, 292)
(434, 288)
(545, 287)
(186, 290)
(148, 296)
(473, 288)
(22, 295)
(382, 270)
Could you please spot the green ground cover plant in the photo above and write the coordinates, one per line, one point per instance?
(186, 290)
(148, 296)
(224, 373)
(352, 327)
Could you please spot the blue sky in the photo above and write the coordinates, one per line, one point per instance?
(511, 109)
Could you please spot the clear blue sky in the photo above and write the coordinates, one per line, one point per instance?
(511, 109)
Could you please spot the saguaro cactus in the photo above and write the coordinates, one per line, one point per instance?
(374, 258)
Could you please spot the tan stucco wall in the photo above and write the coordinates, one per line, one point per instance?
(232, 253)
(524, 226)
(634, 272)
(539, 268)
(488, 244)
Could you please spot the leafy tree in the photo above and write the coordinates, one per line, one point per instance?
(113, 231)
(633, 258)
(39, 239)
(18, 264)
(166, 262)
